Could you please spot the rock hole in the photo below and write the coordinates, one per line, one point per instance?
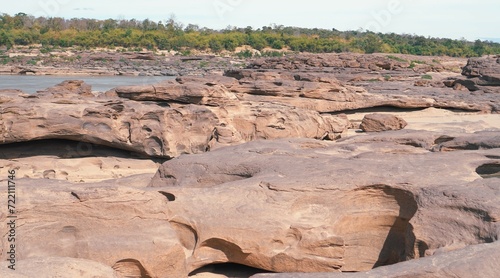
(490, 170)
(390, 237)
(443, 139)
(413, 144)
(186, 234)
(131, 268)
(227, 270)
(170, 197)
(76, 196)
(421, 247)
(493, 156)
(49, 174)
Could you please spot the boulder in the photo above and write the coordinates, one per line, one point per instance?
(69, 89)
(382, 122)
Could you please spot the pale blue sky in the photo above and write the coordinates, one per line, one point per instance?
(436, 18)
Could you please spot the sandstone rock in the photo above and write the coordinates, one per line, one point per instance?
(350, 60)
(472, 261)
(483, 74)
(63, 267)
(193, 93)
(69, 88)
(147, 129)
(181, 118)
(287, 205)
(117, 225)
(140, 56)
(382, 122)
(268, 204)
(324, 93)
(375, 219)
(73, 161)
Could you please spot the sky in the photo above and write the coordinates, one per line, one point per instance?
(455, 19)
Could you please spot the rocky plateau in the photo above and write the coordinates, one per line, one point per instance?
(306, 165)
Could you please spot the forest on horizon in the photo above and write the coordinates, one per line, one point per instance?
(23, 29)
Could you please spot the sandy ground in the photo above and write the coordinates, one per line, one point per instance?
(438, 120)
(77, 170)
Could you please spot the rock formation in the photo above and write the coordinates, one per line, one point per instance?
(482, 74)
(189, 118)
(470, 261)
(365, 202)
(262, 167)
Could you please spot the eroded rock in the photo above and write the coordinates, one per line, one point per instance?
(185, 117)
(382, 122)
(375, 219)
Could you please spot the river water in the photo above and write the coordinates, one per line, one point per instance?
(33, 83)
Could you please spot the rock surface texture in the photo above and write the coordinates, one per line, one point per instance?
(365, 202)
(381, 122)
(257, 170)
(482, 74)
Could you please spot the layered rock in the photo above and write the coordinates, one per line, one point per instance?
(393, 202)
(482, 74)
(478, 260)
(374, 62)
(289, 205)
(322, 92)
(181, 118)
(114, 224)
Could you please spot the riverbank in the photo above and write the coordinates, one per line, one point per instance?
(35, 60)
(100, 62)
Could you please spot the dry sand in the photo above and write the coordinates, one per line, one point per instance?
(438, 120)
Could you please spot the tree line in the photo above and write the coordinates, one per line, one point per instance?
(23, 29)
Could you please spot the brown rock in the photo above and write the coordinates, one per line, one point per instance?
(483, 74)
(324, 93)
(63, 267)
(114, 224)
(69, 89)
(140, 55)
(184, 118)
(419, 202)
(472, 261)
(375, 220)
(382, 122)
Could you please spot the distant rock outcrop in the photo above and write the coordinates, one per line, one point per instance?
(482, 74)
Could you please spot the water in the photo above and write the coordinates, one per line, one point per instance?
(33, 83)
